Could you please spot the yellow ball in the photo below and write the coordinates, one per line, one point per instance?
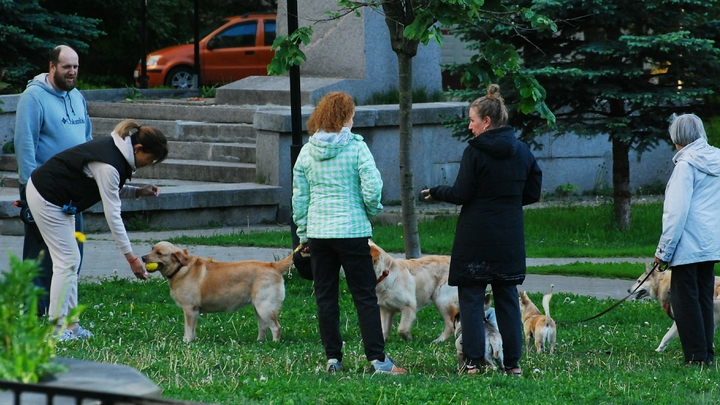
(151, 266)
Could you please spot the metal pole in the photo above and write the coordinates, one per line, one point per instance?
(295, 101)
(196, 66)
(143, 79)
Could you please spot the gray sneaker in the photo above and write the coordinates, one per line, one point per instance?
(82, 333)
(387, 367)
(64, 336)
(333, 366)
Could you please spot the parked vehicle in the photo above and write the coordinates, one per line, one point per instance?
(230, 49)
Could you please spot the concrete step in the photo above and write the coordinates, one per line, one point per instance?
(179, 130)
(195, 152)
(200, 170)
(9, 179)
(8, 162)
(173, 110)
(212, 151)
(181, 205)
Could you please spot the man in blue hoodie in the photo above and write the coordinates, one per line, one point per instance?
(51, 117)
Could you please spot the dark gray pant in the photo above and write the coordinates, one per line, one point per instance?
(472, 313)
(691, 294)
(353, 254)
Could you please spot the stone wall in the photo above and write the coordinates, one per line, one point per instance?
(583, 162)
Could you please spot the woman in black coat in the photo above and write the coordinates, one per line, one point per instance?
(498, 175)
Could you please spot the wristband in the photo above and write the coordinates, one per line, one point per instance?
(133, 260)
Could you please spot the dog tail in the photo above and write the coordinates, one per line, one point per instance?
(546, 307)
(284, 264)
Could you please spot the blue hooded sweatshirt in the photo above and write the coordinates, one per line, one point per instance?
(48, 121)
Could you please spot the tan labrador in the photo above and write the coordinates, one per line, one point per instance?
(408, 285)
(203, 285)
(541, 327)
(657, 287)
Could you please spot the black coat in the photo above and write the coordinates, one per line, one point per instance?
(498, 175)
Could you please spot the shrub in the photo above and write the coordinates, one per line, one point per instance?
(26, 343)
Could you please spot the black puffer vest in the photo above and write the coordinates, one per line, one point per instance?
(61, 180)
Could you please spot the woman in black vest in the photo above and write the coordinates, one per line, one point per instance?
(497, 176)
(73, 181)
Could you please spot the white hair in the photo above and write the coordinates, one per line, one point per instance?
(686, 129)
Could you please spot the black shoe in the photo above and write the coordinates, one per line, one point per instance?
(706, 363)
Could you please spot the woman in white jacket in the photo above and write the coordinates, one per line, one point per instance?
(690, 240)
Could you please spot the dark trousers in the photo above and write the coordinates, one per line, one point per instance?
(472, 313)
(691, 294)
(35, 247)
(353, 254)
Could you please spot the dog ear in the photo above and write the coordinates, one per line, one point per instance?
(182, 256)
(374, 253)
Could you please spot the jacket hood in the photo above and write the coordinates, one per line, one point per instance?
(327, 145)
(41, 81)
(700, 155)
(499, 143)
(126, 148)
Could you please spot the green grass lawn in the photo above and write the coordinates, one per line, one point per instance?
(567, 231)
(609, 360)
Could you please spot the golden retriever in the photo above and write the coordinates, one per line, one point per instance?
(203, 285)
(657, 287)
(408, 285)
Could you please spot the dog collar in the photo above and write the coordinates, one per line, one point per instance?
(382, 276)
(174, 273)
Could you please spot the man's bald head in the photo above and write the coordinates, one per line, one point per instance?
(63, 68)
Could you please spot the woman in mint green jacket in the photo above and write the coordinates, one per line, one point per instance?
(336, 187)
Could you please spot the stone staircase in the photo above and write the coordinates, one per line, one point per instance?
(208, 179)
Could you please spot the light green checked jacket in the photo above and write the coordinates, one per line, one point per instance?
(336, 187)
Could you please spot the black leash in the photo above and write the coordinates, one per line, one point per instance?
(656, 266)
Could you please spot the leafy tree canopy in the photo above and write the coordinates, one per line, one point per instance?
(106, 33)
(28, 32)
(614, 67)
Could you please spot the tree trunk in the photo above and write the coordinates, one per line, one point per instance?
(397, 16)
(621, 183)
(409, 217)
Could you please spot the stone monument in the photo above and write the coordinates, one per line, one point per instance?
(349, 53)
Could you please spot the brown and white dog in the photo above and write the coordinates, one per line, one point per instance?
(657, 287)
(537, 325)
(203, 285)
(493, 342)
(408, 285)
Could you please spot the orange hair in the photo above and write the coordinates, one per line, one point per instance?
(331, 113)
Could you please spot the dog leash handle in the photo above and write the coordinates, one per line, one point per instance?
(656, 266)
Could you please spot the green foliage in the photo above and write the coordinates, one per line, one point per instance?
(9, 147)
(392, 96)
(613, 67)
(287, 51)
(712, 128)
(29, 30)
(26, 347)
(208, 91)
(566, 189)
(609, 360)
